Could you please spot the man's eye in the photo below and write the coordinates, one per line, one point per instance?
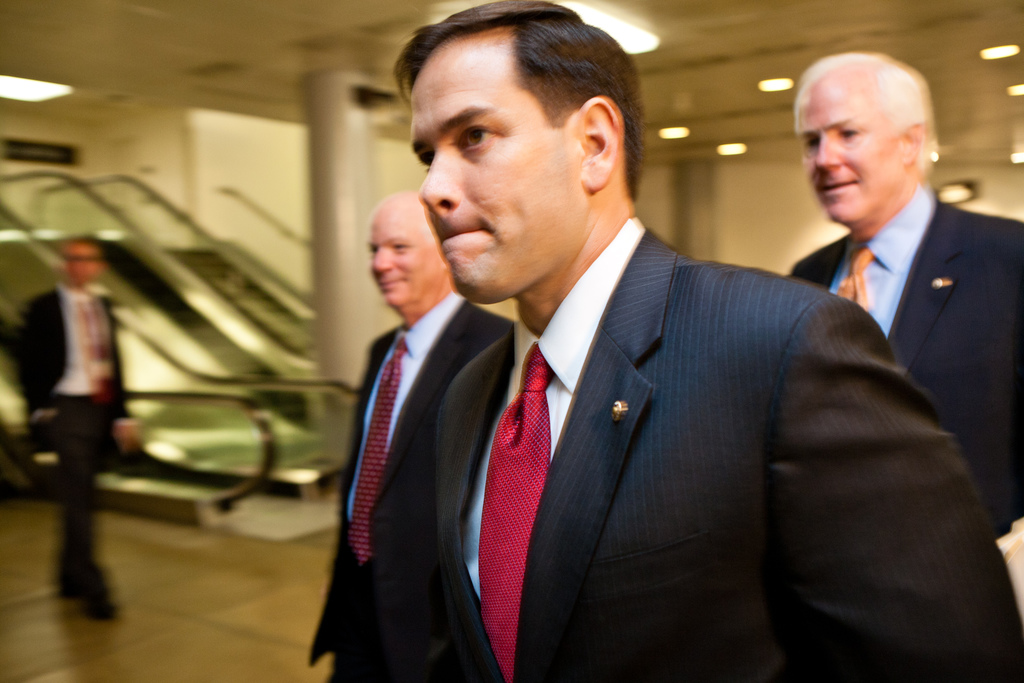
(474, 136)
(426, 158)
(848, 134)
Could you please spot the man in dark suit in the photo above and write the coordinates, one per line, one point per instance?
(670, 471)
(70, 370)
(945, 285)
(377, 616)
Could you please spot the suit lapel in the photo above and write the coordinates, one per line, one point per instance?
(590, 455)
(933, 278)
(462, 455)
(822, 269)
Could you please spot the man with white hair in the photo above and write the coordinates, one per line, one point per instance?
(377, 616)
(944, 285)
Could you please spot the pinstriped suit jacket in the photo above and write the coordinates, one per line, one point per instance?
(777, 504)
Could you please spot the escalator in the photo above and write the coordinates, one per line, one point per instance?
(269, 302)
(175, 300)
(210, 436)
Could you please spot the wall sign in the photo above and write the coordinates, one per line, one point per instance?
(23, 150)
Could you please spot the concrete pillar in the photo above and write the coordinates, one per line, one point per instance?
(342, 189)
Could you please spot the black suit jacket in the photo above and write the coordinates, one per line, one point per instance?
(42, 353)
(404, 520)
(778, 503)
(962, 342)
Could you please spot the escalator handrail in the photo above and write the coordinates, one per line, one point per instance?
(260, 420)
(198, 230)
(255, 382)
(267, 217)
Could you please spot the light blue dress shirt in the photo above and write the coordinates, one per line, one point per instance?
(894, 248)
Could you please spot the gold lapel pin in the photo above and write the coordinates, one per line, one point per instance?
(940, 282)
(619, 408)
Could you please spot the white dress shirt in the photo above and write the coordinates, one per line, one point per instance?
(894, 248)
(419, 340)
(76, 380)
(565, 344)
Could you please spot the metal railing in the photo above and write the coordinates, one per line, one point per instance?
(260, 420)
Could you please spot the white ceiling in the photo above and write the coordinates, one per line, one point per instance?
(249, 56)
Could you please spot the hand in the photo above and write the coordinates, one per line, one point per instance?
(128, 435)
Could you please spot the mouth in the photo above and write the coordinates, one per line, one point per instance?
(829, 186)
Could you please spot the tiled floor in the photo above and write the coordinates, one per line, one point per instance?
(195, 605)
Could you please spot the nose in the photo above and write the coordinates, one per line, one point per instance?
(828, 152)
(380, 262)
(441, 191)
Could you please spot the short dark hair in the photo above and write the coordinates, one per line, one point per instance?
(73, 240)
(560, 60)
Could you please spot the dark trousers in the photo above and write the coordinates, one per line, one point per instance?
(80, 432)
(359, 657)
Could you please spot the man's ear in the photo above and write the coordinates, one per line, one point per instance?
(601, 135)
(913, 141)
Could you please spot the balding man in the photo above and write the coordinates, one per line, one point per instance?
(944, 285)
(377, 616)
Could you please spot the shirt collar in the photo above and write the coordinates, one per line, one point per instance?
(420, 338)
(566, 341)
(896, 243)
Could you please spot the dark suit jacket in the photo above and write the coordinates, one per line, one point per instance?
(778, 503)
(962, 342)
(42, 353)
(404, 520)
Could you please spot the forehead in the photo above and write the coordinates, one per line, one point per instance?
(844, 94)
(476, 72)
(81, 249)
(399, 222)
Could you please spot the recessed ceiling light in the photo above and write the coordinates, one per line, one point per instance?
(775, 84)
(27, 90)
(1000, 52)
(633, 40)
(1015, 90)
(1017, 157)
(934, 156)
(673, 133)
(732, 149)
(957, 193)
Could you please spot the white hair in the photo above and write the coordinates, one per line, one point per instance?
(902, 91)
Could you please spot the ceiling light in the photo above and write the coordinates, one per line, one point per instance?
(31, 91)
(1000, 52)
(674, 133)
(957, 193)
(775, 84)
(1015, 90)
(732, 149)
(632, 39)
(934, 156)
(1017, 157)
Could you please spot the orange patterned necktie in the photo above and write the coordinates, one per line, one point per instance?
(853, 286)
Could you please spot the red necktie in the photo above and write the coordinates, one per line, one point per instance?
(97, 350)
(375, 455)
(515, 479)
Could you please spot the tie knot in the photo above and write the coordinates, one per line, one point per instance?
(860, 260)
(538, 373)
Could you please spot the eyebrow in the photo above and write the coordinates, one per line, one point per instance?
(460, 119)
